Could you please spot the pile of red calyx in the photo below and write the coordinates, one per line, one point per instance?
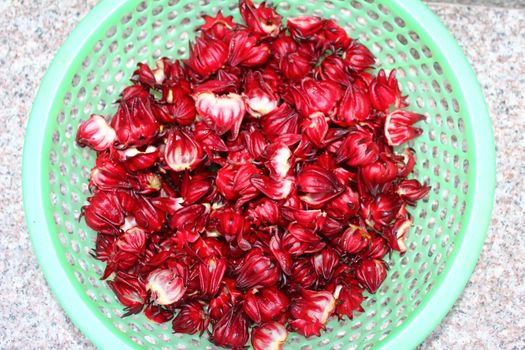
(253, 187)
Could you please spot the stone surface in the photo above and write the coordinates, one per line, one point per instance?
(489, 314)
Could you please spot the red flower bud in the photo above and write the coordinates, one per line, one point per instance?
(104, 212)
(283, 120)
(279, 160)
(273, 189)
(303, 234)
(221, 113)
(190, 218)
(218, 26)
(385, 92)
(257, 270)
(191, 319)
(259, 97)
(358, 57)
(354, 239)
(406, 163)
(132, 241)
(344, 206)
(108, 175)
(260, 19)
(411, 190)
(134, 159)
(246, 51)
(317, 185)
(301, 241)
(265, 305)
(130, 291)
(147, 215)
(355, 106)
(96, 133)
(282, 256)
(371, 273)
(311, 311)
(269, 336)
(211, 273)
(315, 128)
(148, 77)
(223, 304)
(179, 107)
(282, 46)
(117, 260)
(332, 227)
(358, 148)
(398, 127)
(135, 123)
(234, 182)
(208, 139)
(396, 235)
(349, 299)
(294, 65)
(332, 36)
(172, 73)
(231, 224)
(182, 151)
(344, 176)
(378, 173)
(255, 143)
(316, 96)
(148, 183)
(195, 187)
(167, 286)
(231, 330)
(207, 55)
(333, 68)
(377, 248)
(380, 211)
(303, 273)
(304, 26)
(325, 262)
(265, 212)
(158, 314)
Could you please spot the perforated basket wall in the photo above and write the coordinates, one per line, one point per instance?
(137, 31)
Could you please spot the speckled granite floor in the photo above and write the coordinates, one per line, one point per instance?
(489, 315)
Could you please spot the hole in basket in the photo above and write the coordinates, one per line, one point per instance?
(438, 69)
(150, 339)
(156, 25)
(142, 6)
(372, 14)
(415, 54)
(324, 342)
(383, 9)
(79, 277)
(137, 340)
(157, 10)
(111, 31)
(357, 5)
(389, 27)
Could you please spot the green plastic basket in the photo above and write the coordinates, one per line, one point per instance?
(455, 156)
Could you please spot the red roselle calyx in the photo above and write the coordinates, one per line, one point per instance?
(167, 286)
(256, 187)
(96, 133)
(269, 336)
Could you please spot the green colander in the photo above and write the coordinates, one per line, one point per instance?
(455, 156)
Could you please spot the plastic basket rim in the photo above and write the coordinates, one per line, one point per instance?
(421, 322)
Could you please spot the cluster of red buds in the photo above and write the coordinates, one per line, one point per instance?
(253, 187)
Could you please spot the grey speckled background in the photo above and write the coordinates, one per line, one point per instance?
(489, 314)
